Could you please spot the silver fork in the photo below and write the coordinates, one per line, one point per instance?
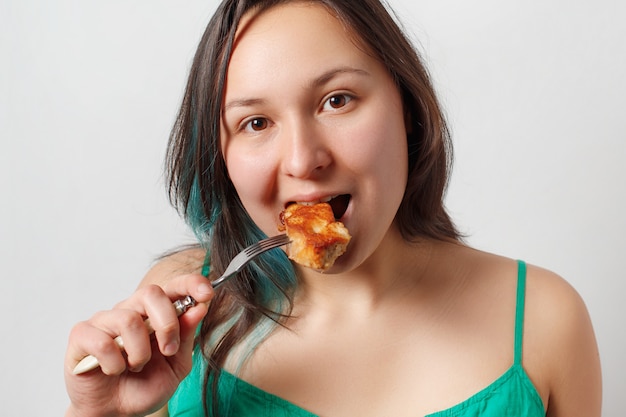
(242, 258)
(235, 266)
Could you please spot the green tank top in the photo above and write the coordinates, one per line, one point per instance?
(511, 395)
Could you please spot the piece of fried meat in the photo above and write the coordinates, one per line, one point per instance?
(317, 239)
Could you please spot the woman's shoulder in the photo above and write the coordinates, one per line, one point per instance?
(558, 328)
(543, 286)
(181, 261)
(560, 352)
(552, 307)
(552, 296)
(555, 312)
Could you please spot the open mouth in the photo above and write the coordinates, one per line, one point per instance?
(339, 204)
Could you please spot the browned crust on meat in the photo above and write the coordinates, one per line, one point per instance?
(317, 239)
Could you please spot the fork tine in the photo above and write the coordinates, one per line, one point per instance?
(267, 244)
(249, 253)
(260, 249)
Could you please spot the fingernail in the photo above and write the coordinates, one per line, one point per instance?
(205, 289)
(171, 348)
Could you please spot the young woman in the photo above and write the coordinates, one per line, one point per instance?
(307, 101)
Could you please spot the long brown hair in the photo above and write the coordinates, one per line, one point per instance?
(200, 187)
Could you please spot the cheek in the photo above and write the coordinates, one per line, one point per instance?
(247, 172)
(252, 175)
(380, 147)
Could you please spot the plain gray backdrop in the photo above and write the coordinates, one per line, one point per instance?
(535, 95)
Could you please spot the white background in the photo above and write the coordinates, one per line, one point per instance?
(534, 91)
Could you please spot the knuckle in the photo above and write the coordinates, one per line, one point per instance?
(113, 367)
(152, 291)
(138, 358)
(133, 322)
(169, 328)
(78, 329)
(97, 317)
(104, 347)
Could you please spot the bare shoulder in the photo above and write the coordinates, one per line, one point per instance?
(550, 296)
(554, 308)
(184, 261)
(560, 349)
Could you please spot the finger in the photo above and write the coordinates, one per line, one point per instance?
(155, 303)
(167, 330)
(152, 302)
(135, 336)
(189, 323)
(86, 339)
(176, 288)
(163, 319)
(192, 284)
(128, 330)
(181, 362)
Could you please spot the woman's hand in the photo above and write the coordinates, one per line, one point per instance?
(141, 379)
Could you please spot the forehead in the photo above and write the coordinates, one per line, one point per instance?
(291, 15)
(300, 36)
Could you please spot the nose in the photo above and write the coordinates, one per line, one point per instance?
(305, 151)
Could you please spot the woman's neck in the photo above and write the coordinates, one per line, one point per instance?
(394, 268)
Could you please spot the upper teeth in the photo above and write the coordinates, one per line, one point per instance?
(323, 200)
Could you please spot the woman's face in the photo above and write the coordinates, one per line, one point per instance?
(308, 116)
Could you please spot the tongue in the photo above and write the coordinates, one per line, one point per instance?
(339, 205)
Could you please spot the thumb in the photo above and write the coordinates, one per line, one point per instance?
(189, 322)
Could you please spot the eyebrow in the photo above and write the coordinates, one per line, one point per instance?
(329, 75)
(246, 102)
(315, 83)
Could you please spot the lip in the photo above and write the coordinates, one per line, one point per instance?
(312, 198)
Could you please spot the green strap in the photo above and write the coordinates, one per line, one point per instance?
(206, 265)
(519, 311)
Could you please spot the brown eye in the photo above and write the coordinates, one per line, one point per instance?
(337, 101)
(257, 124)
